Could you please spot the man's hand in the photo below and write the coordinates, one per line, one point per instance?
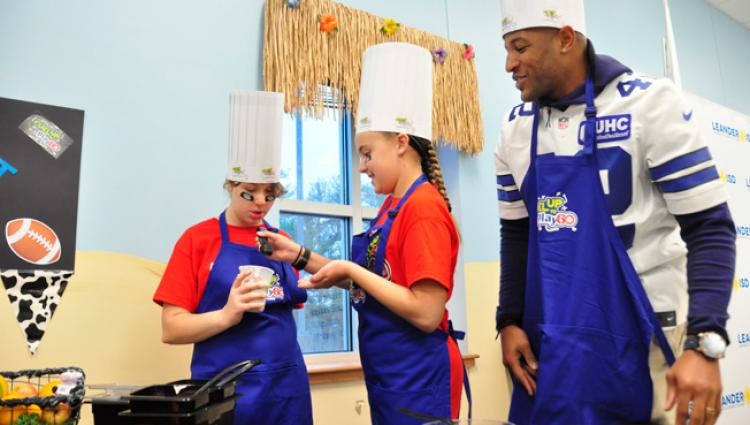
(518, 357)
(694, 377)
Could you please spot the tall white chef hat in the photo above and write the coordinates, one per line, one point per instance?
(255, 125)
(395, 91)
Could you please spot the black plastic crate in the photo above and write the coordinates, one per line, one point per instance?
(216, 393)
(167, 399)
(221, 413)
(107, 405)
(191, 396)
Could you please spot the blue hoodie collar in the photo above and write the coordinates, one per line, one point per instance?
(604, 68)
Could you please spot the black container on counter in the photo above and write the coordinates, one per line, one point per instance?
(106, 406)
(221, 413)
(185, 402)
(188, 395)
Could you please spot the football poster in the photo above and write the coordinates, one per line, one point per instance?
(40, 163)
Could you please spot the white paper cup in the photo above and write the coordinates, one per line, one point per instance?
(260, 274)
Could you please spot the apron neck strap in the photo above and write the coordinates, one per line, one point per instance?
(392, 213)
(269, 227)
(589, 142)
(223, 227)
(418, 182)
(386, 229)
(225, 231)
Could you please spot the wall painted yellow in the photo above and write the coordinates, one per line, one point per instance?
(107, 324)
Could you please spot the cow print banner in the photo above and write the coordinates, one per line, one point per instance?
(34, 296)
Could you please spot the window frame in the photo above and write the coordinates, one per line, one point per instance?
(351, 210)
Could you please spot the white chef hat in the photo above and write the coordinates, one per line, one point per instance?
(395, 90)
(523, 14)
(255, 126)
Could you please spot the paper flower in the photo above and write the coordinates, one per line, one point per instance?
(292, 3)
(439, 55)
(328, 23)
(390, 26)
(468, 51)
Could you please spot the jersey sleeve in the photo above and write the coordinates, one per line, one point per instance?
(509, 199)
(677, 157)
(179, 285)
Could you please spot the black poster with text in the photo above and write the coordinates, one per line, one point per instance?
(40, 163)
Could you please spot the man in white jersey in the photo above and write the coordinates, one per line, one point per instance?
(664, 196)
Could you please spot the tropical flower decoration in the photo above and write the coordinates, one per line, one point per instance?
(438, 56)
(390, 26)
(328, 23)
(292, 3)
(468, 51)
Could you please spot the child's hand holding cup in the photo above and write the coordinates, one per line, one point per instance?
(257, 282)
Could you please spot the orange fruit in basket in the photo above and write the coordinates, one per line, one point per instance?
(34, 410)
(25, 389)
(8, 415)
(50, 389)
(59, 416)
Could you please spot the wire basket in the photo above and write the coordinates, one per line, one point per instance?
(22, 403)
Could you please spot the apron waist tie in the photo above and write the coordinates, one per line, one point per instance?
(460, 335)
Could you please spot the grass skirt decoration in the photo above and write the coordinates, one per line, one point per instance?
(313, 51)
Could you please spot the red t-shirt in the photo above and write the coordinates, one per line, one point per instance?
(423, 243)
(186, 275)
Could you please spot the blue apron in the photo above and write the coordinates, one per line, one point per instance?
(276, 392)
(586, 313)
(404, 367)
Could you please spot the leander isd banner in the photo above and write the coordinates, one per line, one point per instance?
(728, 135)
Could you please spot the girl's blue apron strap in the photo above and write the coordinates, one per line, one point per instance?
(385, 232)
(459, 335)
(223, 227)
(269, 227)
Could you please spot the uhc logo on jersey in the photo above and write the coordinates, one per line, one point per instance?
(553, 214)
(609, 128)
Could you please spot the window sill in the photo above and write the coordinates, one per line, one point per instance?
(346, 367)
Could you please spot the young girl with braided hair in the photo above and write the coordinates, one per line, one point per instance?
(401, 274)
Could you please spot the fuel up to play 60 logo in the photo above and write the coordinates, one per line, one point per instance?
(553, 214)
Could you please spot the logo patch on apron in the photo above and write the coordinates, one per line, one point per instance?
(553, 214)
(356, 294)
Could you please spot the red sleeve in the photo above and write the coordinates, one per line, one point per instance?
(179, 285)
(428, 252)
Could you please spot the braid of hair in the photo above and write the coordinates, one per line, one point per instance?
(431, 165)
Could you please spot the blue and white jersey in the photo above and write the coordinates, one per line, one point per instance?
(654, 164)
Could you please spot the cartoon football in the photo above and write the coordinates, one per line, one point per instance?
(32, 241)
